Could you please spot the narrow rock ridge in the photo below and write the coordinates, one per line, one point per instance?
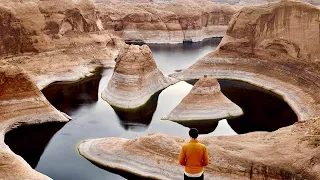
(135, 79)
(261, 48)
(205, 102)
(288, 153)
(21, 103)
(165, 21)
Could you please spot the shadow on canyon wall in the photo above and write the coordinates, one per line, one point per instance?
(68, 96)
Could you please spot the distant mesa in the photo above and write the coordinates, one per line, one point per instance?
(135, 78)
(204, 104)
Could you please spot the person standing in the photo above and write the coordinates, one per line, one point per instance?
(194, 156)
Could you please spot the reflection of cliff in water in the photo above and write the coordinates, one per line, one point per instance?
(140, 118)
(203, 127)
(30, 141)
(67, 96)
(263, 110)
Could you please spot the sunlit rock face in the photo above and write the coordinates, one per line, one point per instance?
(21, 103)
(64, 36)
(204, 103)
(135, 78)
(274, 46)
(288, 153)
(165, 21)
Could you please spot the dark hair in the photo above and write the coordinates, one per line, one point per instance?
(193, 133)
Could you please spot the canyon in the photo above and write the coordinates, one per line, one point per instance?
(273, 46)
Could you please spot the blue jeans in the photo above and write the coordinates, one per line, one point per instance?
(194, 178)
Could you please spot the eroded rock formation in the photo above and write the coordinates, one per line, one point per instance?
(204, 103)
(165, 21)
(65, 37)
(288, 153)
(274, 46)
(21, 103)
(135, 78)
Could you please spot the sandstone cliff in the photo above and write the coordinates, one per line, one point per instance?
(65, 37)
(135, 78)
(274, 46)
(204, 104)
(165, 21)
(21, 103)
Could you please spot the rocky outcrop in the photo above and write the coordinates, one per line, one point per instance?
(135, 78)
(21, 103)
(204, 103)
(165, 21)
(273, 46)
(288, 153)
(64, 36)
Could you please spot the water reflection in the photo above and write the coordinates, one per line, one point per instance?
(68, 96)
(205, 127)
(30, 141)
(263, 110)
(138, 119)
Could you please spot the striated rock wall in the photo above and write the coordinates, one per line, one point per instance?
(274, 46)
(66, 37)
(165, 21)
(35, 26)
(21, 103)
(288, 31)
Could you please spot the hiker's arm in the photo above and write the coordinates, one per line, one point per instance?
(182, 158)
(205, 161)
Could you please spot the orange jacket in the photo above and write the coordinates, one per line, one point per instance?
(194, 156)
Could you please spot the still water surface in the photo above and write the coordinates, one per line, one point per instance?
(95, 118)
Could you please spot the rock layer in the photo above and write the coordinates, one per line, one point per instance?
(21, 103)
(288, 153)
(65, 37)
(205, 102)
(165, 21)
(274, 46)
(135, 78)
